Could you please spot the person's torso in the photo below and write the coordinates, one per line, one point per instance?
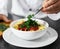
(22, 7)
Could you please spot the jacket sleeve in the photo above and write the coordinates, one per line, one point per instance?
(3, 7)
(54, 16)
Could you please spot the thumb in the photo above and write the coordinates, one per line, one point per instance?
(44, 2)
(5, 19)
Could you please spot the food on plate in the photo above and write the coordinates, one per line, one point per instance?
(29, 28)
(3, 27)
(29, 24)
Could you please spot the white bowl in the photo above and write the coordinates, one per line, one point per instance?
(29, 35)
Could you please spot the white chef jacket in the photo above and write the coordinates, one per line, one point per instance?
(21, 7)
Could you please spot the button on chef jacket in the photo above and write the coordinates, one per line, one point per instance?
(25, 7)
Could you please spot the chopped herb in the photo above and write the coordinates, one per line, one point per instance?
(29, 23)
(3, 27)
(30, 16)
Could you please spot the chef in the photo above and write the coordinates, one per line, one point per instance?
(21, 8)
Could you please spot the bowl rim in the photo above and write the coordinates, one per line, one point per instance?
(28, 31)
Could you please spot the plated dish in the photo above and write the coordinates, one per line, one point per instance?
(50, 37)
(28, 28)
(3, 27)
(29, 25)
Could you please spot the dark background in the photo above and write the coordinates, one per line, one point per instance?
(55, 45)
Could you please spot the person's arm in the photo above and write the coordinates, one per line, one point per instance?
(3, 7)
(3, 10)
(52, 8)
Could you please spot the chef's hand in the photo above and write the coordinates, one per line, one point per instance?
(4, 18)
(51, 6)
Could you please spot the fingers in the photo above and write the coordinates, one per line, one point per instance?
(44, 3)
(56, 10)
(52, 12)
(53, 8)
(5, 19)
(49, 2)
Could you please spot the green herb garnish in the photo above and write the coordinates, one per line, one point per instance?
(30, 16)
(3, 27)
(29, 23)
